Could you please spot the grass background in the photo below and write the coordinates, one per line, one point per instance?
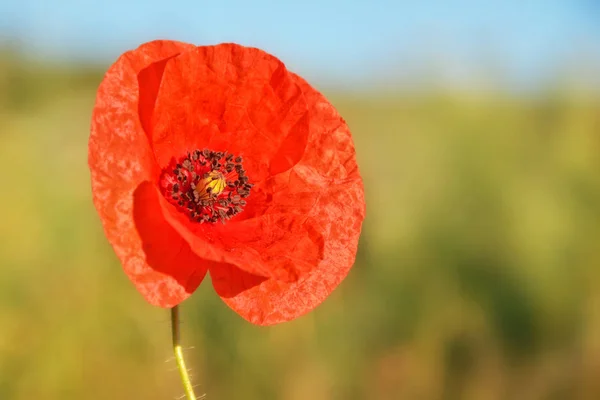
(477, 275)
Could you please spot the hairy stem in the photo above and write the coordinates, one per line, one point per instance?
(183, 372)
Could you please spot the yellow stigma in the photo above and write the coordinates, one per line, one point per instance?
(211, 186)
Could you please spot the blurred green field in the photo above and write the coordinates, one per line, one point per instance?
(477, 277)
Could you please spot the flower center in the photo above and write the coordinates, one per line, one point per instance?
(206, 185)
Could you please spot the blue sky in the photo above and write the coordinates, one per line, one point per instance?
(333, 40)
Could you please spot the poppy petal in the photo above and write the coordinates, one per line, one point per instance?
(328, 168)
(120, 161)
(231, 98)
(273, 301)
(283, 240)
(280, 246)
(166, 253)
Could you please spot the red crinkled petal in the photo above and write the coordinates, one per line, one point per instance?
(329, 170)
(156, 259)
(231, 98)
(241, 100)
(281, 246)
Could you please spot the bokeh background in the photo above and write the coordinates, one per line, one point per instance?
(477, 128)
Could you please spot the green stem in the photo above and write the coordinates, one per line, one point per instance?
(183, 372)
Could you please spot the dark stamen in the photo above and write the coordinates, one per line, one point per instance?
(193, 184)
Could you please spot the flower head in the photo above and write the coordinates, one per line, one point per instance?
(217, 158)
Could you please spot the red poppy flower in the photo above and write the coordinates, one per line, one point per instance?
(217, 158)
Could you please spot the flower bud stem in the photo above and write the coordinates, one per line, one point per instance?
(183, 372)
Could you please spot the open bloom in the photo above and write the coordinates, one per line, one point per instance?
(217, 158)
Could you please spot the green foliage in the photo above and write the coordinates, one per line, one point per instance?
(477, 275)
